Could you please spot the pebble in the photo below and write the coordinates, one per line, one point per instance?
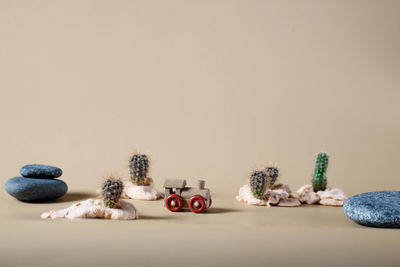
(35, 189)
(376, 209)
(40, 171)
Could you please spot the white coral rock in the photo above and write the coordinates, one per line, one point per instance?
(275, 196)
(246, 196)
(140, 192)
(280, 195)
(289, 202)
(307, 195)
(332, 197)
(94, 208)
(329, 197)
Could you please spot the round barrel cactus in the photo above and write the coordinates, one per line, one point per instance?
(138, 168)
(272, 175)
(111, 191)
(258, 183)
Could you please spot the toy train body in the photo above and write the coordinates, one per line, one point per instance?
(180, 197)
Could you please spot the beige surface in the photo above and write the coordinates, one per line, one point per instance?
(209, 89)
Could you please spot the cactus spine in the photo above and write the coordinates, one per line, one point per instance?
(138, 167)
(111, 191)
(272, 175)
(319, 179)
(258, 183)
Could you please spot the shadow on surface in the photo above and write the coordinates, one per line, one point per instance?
(75, 196)
(146, 217)
(220, 210)
(69, 197)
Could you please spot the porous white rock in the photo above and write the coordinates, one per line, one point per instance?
(94, 208)
(329, 197)
(140, 192)
(284, 187)
(279, 195)
(282, 196)
(289, 202)
(307, 195)
(246, 196)
(332, 197)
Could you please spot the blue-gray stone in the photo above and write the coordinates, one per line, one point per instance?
(40, 171)
(376, 209)
(35, 189)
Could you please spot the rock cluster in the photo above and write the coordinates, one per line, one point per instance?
(279, 195)
(329, 197)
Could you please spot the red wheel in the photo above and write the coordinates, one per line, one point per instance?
(173, 202)
(197, 204)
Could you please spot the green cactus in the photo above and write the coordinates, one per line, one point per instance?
(272, 175)
(138, 167)
(319, 179)
(111, 191)
(258, 183)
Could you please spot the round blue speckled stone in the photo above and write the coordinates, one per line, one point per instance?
(35, 189)
(376, 209)
(40, 171)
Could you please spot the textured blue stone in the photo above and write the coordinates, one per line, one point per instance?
(35, 189)
(377, 209)
(40, 171)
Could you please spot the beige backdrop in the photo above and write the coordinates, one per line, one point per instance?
(208, 89)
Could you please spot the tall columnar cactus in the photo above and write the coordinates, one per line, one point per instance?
(138, 167)
(272, 175)
(319, 180)
(111, 191)
(258, 183)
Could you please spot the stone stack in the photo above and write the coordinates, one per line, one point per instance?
(38, 183)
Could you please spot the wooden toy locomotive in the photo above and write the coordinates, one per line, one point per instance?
(178, 196)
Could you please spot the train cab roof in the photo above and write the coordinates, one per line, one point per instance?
(175, 183)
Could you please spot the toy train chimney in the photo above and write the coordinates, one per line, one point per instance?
(201, 184)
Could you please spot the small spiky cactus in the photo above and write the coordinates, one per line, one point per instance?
(111, 191)
(319, 179)
(272, 172)
(138, 167)
(258, 183)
